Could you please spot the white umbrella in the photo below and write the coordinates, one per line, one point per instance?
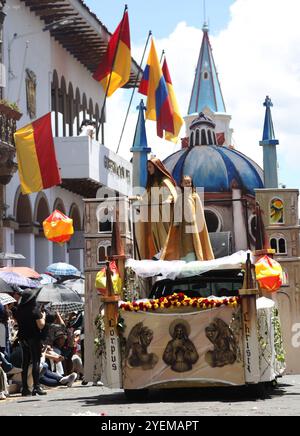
(76, 284)
(6, 299)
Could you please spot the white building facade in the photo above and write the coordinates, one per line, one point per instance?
(49, 54)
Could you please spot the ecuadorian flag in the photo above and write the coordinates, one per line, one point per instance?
(153, 84)
(117, 59)
(177, 118)
(36, 156)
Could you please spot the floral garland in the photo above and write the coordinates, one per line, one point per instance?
(180, 300)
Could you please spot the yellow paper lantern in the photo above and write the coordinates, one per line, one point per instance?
(100, 283)
(58, 227)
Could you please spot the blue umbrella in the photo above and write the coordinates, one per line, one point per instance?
(13, 278)
(62, 269)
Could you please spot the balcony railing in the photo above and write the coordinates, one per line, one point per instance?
(9, 115)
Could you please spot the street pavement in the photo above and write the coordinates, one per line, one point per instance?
(89, 400)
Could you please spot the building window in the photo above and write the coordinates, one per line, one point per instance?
(203, 137)
(106, 223)
(252, 227)
(282, 246)
(104, 251)
(213, 221)
(210, 141)
(276, 211)
(192, 139)
(279, 245)
(205, 75)
(197, 141)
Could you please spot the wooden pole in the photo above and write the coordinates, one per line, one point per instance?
(249, 319)
(113, 366)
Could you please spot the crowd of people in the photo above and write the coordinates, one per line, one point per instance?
(38, 347)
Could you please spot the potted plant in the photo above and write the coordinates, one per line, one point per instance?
(11, 110)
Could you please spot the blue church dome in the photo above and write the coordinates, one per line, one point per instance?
(216, 168)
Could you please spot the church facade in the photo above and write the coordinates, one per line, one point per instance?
(233, 184)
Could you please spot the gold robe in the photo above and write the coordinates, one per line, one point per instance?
(153, 231)
(189, 238)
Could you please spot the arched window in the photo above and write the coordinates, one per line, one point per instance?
(70, 110)
(213, 221)
(192, 139)
(205, 75)
(252, 227)
(282, 246)
(273, 244)
(276, 211)
(75, 215)
(279, 244)
(42, 210)
(63, 128)
(104, 251)
(23, 211)
(55, 99)
(59, 205)
(77, 121)
(106, 222)
(197, 140)
(203, 137)
(210, 141)
(215, 139)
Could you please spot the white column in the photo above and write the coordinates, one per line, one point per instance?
(76, 258)
(43, 249)
(60, 253)
(239, 225)
(25, 244)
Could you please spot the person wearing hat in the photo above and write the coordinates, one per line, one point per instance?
(31, 322)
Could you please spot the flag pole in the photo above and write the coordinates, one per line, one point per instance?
(132, 95)
(109, 80)
(162, 56)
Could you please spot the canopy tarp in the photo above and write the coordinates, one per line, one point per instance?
(181, 269)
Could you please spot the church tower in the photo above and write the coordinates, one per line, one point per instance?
(269, 144)
(207, 95)
(281, 220)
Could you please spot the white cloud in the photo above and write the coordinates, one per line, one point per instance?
(258, 54)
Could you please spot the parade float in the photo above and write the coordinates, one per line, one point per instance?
(205, 324)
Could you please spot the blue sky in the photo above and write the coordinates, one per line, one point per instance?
(161, 16)
(252, 60)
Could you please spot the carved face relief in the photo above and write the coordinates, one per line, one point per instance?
(31, 93)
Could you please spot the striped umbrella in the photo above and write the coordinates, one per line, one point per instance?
(6, 299)
(46, 279)
(22, 270)
(62, 269)
(65, 308)
(13, 278)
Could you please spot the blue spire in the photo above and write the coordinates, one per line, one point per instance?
(140, 150)
(206, 89)
(269, 135)
(140, 137)
(269, 146)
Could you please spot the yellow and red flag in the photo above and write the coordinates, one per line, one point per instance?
(177, 118)
(117, 59)
(36, 156)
